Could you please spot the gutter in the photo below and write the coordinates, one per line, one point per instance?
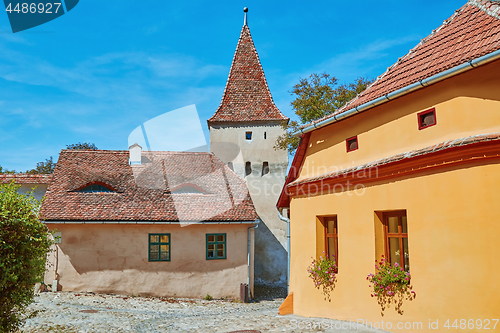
(256, 225)
(287, 220)
(403, 91)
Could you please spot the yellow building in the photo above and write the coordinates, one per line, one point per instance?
(408, 169)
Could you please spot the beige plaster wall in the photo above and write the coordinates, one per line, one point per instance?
(113, 258)
(271, 241)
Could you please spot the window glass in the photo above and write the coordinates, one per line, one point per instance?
(248, 135)
(394, 250)
(159, 247)
(216, 246)
(393, 225)
(404, 224)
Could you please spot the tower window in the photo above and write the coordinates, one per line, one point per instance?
(248, 135)
(265, 168)
(265, 136)
(426, 118)
(248, 168)
(352, 143)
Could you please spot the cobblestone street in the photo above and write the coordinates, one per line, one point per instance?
(84, 312)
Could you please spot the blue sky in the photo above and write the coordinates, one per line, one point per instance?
(104, 68)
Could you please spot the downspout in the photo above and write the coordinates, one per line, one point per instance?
(287, 220)
(403, 91)
(256, 225)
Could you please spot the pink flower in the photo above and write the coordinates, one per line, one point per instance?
(396, 265)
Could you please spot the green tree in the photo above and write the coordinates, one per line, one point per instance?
(316, 97)
(49, 165)
(83, 145)
(43, 167)
(24, 242)
(2, 170)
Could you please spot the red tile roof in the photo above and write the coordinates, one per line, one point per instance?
(473, 31)
(20, 178)
(403, 156)
(143, 192)
(247, 96)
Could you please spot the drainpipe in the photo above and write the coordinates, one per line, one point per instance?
(287, 220)
(256, 225)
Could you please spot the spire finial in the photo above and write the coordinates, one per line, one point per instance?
(246, 11)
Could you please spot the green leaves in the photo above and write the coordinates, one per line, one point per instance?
(24, 243)
(316, 97)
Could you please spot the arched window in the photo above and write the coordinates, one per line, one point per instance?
(96, 188)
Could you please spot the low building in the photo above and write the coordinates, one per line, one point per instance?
(409, 170)
(36, 183)
(149, 223)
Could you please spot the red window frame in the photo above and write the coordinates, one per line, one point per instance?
(348, 141)
(422, 114)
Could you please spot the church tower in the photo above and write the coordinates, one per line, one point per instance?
(243, 132)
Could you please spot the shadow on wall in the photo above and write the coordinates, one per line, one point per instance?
(270, 258)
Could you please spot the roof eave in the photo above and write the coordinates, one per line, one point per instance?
(490, 57)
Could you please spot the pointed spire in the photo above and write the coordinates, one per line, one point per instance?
(247, 96)
(246, 11)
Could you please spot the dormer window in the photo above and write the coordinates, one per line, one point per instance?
(248, 135)
(188, 188)
(426, 118)
(96, 188)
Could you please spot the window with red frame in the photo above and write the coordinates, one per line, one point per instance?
(352, 143)
(426, 118)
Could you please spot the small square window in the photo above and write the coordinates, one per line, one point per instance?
(248, 135)
(426, 118)
(352, 143)
(216, 246)
(159, 247)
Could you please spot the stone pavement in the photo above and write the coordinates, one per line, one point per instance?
(87, 312)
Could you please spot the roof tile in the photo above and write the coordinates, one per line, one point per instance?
(144, 192)
(246, 96)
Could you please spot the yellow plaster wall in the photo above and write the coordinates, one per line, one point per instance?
(466, 105)
(453, 233)
(452, 213)
(113, 258)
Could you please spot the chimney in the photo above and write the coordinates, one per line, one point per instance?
(135, 154)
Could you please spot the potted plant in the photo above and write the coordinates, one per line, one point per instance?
(391, 284)
(323, 272)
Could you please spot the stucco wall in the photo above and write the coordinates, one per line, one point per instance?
(451, 211)
(452, 235)
(466, 105)
(270, 236)
(113, 258)
(39, 190)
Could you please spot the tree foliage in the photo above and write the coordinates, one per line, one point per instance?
(2, 170)
(49, 165)
(24, 242)
(80, 145)
(316, 97)
(43, 167)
